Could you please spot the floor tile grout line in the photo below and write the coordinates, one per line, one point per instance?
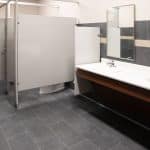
(6, 139)
(86, 139)
(33, 140)
(57, 135)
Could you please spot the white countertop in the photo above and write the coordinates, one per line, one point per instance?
(133, 74)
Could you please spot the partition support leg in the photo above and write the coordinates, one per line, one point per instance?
(16, 99)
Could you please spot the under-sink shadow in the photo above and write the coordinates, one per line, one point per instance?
(124, 126)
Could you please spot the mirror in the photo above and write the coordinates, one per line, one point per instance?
(120, 32)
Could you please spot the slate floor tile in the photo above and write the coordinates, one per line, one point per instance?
(101, 139)
(84, 145)
(66, 133)
(3, 142)
(52, 143)
(22, 142)
(12, 128)
(6, 109)
(77, 122)
(66, 123)
(37, 130)
(48, 115)
(23, 114)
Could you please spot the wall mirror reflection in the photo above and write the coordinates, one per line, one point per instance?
(120, 32)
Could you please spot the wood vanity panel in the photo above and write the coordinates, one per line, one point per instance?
(121, 87)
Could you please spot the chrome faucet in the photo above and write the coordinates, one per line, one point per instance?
(111, 63)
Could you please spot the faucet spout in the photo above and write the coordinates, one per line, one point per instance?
(111, 63)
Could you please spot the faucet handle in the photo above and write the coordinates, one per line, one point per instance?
(112, 61)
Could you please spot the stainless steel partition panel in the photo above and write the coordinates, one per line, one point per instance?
(45, 51)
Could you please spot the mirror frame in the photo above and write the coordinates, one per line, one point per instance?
(134, 49)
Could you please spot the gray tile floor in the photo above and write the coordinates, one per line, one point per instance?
(66, 123)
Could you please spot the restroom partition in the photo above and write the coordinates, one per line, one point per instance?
(2, 49)
(3, 16)
(87, 49)
(44, 52)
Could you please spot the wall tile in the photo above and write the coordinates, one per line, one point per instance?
(103, 29)
(127, 44)
(103, 48)
(89, 25)
(127, 31)
(143, 56)
(142, 30)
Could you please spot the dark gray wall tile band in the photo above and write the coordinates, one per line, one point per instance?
(103, 50)
(142, 32)
(127, 44)
(142, 29)
(143, 56)
(89, 24)
(127, 31)
(127, 48)
(103, 30)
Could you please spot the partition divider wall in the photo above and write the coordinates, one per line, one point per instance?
(3, 47)
(42, 53)
(87, 49)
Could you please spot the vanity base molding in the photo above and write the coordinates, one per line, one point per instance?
(121, 87)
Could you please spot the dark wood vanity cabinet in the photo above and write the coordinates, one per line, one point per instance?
(122, 97)
(124, 88)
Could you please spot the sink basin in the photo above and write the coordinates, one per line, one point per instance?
(113, 69)
(129, 74)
